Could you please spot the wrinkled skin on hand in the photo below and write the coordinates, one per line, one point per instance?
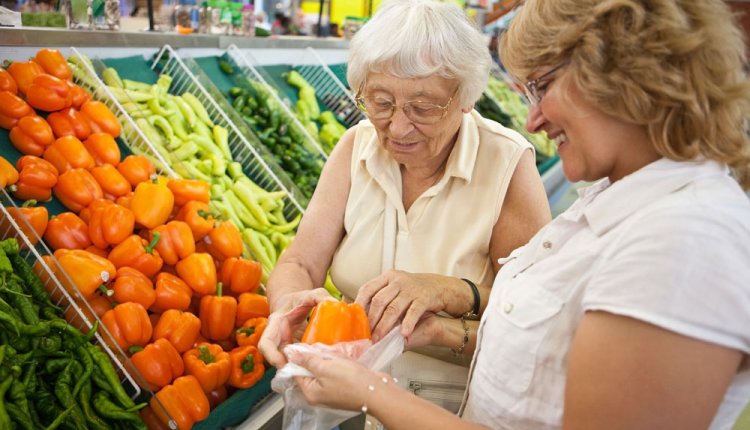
(397, 297)
(336, 382)
(287, 324)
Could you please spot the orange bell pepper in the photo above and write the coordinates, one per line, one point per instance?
(185, 190)
(125, 200)
(224, 241)
(217, 314)
(139, 254)
(251, 331)
(153, 422)
(240, 275)
(53, 63)
(152, 204)
(197, 215)
(70, 122)
(82, 320)
(209, 364)
(31, 220)
(67, 231)
(136, 169)
(184, 401)
(335, 321)
(32, 135)
(87, 271)
(12, 108)
(110, 225)
(176, 241)
(100, 304)
(36, 177)
(171, 293)
(131, 285)
(85, 213)
(48, 93)
(247, 366)
(67, 153)
(23, 73)
(199, 272)
(76, 189)
(7, 83)
(251, 305)
(78, 96)
(180, 328)
(159, 363)
(103, 148)
(98, 251)
(102, 117)
(8, 174)
(113, 184)
(128, 324)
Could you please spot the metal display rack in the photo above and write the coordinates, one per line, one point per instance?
(329, 89)
(259, 169)
(246, 62)
(54, 279)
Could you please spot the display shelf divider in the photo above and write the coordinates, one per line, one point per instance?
(329, 89)
(248, 63)
(259, 169)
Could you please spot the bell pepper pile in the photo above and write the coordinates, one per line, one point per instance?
(181, 130)
(50, 373)
(162, 272)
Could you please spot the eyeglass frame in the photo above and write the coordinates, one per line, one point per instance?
(530, 88)
(359, 98)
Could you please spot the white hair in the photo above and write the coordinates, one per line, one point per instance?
(420, 38)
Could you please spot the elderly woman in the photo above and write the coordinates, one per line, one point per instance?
(422, 194)
(631, 309)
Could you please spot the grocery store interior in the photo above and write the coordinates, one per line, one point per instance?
(213, 92)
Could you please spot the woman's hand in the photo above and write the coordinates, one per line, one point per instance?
(400, 297)
(285, 324)
(336, 382)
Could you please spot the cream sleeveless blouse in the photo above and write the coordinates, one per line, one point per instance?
(448, 228)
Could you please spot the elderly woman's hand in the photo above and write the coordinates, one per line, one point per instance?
(286, 324)
(400, 297)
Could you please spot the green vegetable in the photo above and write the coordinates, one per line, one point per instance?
(105, 366)
(198, 108)
(107, 409)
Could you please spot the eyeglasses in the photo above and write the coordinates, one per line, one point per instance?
(379, 108)
(535, 92)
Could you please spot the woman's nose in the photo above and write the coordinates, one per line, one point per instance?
(534, 119)
(400, 124)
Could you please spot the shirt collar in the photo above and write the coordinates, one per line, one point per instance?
(460, 163)
(614, 203)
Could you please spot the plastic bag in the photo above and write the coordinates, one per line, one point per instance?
(298, 414)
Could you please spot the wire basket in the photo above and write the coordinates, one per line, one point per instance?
(246, 63)
(329, 89)
(258, 168)
(70, 299)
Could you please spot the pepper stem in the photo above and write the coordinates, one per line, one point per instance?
(150, 248)
(219, 289)
(248, 364)
(205, 355)
(29, 203)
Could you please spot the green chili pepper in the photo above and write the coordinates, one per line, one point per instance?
(56, 365)
(4, 418)
(31, 281)
(198, 108)
(17, 395)
(108, 409)
(84, 400)
(226, 67)
(108, 371)
(21, 301)
(50, 343)
(60, 419)
(65, 396)
(88, 366)
(20, 417)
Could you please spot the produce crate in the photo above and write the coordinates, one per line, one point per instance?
(187, 76)
(329, 89)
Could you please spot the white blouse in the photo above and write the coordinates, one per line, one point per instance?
(668, 245)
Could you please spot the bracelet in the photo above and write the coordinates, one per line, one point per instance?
(371, 389)
(460, 350)
(475, 291)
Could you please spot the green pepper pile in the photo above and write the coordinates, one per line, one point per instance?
(276, 130)
(51, 374)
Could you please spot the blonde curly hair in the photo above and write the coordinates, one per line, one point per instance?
(675, 67)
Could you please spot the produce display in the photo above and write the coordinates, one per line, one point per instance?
(51, 374)
(161, 272)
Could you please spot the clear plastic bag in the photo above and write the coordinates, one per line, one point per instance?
(298, 414)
